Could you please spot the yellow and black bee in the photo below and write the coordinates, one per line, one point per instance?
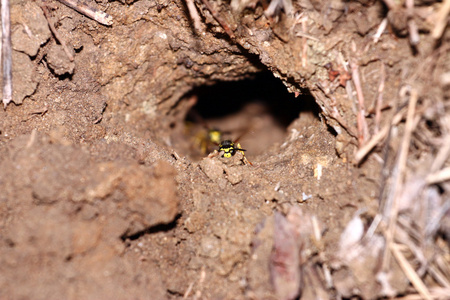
(229, 149)
(215, 136)
(205, 139)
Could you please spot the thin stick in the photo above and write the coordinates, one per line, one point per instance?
(363, 129)
(56, 33)
(441, 20)
(6, 53)
(219, 19)
(194, 16)
(413, 33)
(409, 272)
(305, 46)
(93, 13)
(188, 291)
(380, 30)
(407, 136)
(436, 293)
(442, 175)
(304, 35)
(438, 276)
(399, 175)
(412, 27)
(379, 103)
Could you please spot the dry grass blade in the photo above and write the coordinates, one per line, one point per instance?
(409, 272)
(377, 138)
(93, 13)
(436, 293)
(276, 5)
(443, 265)
(6, 53)
(440, 278)
(440, 176)
(441, 20)
(409, 126)
(307, 36)
(412, 27)
(56, 33)
(194, 16)
(363, 129)
(380, 30)
(391, 209)
(379, 101)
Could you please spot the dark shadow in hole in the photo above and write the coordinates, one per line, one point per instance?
(256, 112)
(227, 98)
(153, 229)
(332, 131)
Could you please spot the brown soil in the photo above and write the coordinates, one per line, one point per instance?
(109, 190)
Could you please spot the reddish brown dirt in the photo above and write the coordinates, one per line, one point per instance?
(105, 193)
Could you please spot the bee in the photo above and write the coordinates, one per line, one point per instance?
(205, 139)
(215, 136)
(229, 149)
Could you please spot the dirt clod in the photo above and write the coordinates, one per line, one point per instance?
(58, 61)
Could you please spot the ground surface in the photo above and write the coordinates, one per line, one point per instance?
(106, 192)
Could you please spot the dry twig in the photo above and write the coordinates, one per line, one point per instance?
(93, 13)
(409, 272)
(380, 30)
(194, 16)
(439, 277)
(412, 27)
(276, 5)
(436, 293)
(379, 103)
(440, 176)
(304, 35)
(377, 138)
(305, 46)
(6, 53)
(201, 279)
(391, 209)
(441, 20)
(56, 33)
(363, 129)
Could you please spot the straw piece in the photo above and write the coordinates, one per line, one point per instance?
(440, 176)
(6, 53)
(410, 272)
(91, 12)
(364, 150)
(441, 20)
(194, 16)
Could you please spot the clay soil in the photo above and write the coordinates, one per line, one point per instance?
(110, 188)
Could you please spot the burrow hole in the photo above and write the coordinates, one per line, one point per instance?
(257, 111)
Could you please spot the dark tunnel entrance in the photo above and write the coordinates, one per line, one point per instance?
(256, 111)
